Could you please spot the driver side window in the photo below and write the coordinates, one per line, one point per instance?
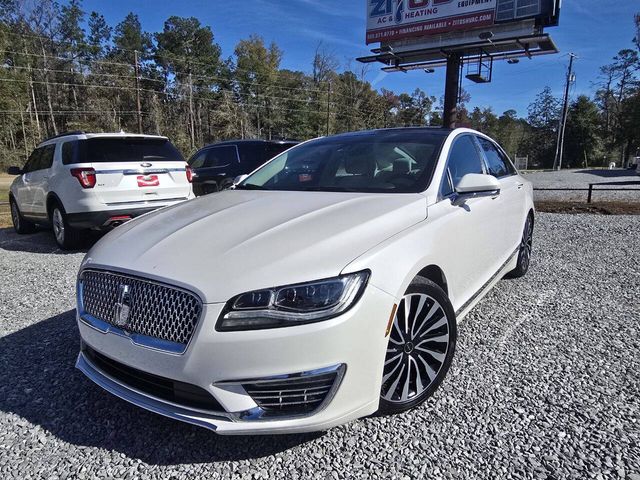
(463, 159)
(32, 161)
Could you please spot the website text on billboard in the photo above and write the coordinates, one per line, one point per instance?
(389, 20)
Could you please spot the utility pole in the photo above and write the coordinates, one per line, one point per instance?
(191, 119)
(328, 106)
(557, 163)
(137, 72)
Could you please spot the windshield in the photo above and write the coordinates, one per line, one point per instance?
(380, 161)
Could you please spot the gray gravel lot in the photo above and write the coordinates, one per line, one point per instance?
(582, 179)
(545, 383)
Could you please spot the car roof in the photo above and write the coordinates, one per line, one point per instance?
(79, 135)
(441, 130)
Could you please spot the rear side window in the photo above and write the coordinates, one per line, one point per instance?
(274, 149)
(252, 156)
(102, 150)
(69, 152)
(463, 159)
(498, 165)
(221, 156)
(197, 161)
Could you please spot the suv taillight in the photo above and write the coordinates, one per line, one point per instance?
(189, 174)
(86, 176)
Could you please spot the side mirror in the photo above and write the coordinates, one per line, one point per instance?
(14, 171)
(238, 179)
(474, 185)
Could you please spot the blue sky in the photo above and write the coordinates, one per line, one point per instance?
(594, 30)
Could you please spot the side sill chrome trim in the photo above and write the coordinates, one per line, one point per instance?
(487, 283)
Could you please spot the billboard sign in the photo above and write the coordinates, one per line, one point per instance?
(389, 20)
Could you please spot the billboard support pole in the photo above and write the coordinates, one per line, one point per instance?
(451, 90)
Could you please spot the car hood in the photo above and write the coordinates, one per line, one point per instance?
(236, 241)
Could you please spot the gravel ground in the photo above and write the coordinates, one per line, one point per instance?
(582, 179)
(545, 383)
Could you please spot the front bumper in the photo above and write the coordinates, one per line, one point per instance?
(216, 361)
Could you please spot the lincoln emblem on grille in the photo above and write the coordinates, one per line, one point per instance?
(123, 306)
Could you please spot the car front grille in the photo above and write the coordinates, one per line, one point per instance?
(154, 310)
(294, 395)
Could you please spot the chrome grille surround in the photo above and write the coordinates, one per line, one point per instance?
(160, 316)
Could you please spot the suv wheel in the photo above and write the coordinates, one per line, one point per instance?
(67, 237)
(421, 347)
(20, 225)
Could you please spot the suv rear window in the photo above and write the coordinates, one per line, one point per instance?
(102, 150)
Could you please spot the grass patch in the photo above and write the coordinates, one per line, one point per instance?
(595, 208)
(5, 213)
(5, 183)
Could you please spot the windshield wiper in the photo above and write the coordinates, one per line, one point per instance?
(328, 189)
(249, 186)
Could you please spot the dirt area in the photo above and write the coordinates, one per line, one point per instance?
(598, 208)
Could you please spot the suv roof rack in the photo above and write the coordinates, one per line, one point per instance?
(64, 134)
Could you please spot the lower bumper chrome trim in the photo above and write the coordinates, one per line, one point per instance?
(200, 418)
(197, 417)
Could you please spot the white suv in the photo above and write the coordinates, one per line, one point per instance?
(79, 181)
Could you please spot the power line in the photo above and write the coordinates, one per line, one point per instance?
(175, 72)
(159, 92)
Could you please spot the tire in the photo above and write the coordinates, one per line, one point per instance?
(226, 184)
(20, 224)
(67, 237)
(431, 322)
(524, 251)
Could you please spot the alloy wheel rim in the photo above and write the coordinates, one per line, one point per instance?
(58, 225)
(526, 245)
(418, 346)
(15, 216)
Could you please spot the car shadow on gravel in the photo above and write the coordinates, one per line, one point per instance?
(39, 383)
(41, 241)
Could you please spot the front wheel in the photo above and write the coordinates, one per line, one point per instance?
(67, 237)
(524, 251)
(421, 346)
(20, 225)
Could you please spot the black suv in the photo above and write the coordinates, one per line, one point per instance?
(215, 166)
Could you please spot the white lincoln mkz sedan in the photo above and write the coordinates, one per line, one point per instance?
(325, 287)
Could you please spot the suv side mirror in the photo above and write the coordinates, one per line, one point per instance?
(238, 179)
(474, 185)
(14, 171)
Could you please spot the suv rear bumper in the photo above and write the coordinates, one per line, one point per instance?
(106, 218)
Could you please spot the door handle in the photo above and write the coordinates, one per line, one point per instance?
(520, 185)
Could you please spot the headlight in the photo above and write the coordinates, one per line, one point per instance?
(292, 304)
